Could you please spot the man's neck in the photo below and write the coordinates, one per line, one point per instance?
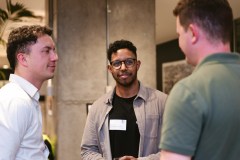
(213, 49)
(29, 78)
(129, 91)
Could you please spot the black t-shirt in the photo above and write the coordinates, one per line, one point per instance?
(124, 142)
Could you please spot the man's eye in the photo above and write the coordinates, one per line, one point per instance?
(116, 63)
(46, 51)
(128, 62)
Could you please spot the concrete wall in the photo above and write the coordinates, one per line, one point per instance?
(83, 30)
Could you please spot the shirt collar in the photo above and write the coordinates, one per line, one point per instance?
(219, 58)
(28, 87)
(141, 94)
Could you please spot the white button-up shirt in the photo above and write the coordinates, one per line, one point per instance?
(21, 122)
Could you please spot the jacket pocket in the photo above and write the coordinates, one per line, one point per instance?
(152, 126)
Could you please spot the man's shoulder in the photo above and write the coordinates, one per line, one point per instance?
(11, 90)
(14, 94)
(104, 98)
(99, 107)
(152, 91)
(15, 101)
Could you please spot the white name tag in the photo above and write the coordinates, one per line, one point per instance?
(118, 124)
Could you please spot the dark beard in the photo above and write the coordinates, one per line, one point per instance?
(126, 83)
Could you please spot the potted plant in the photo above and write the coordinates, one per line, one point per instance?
(13, 13)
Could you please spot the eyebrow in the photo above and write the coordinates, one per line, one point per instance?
(48, 47)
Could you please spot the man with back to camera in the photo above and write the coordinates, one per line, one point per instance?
(32, 57)
(201, 120)
(124, 123)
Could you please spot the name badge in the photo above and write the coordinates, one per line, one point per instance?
(118, 124)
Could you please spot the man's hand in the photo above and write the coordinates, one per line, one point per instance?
(168, 155)
(127, 158)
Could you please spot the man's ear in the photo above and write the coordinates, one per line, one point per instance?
(194, 33)
(109, 67)
(22, 59)
(138, 64)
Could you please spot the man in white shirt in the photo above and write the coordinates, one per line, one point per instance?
(32, 57)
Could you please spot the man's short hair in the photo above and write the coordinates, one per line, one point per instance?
(120, 44)
(214, 17)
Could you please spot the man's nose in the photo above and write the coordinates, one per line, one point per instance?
(123, 66)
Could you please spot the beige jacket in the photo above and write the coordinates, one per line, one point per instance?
(148, 107)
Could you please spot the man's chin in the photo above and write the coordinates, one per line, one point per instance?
(49, 77)
(125, 83)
